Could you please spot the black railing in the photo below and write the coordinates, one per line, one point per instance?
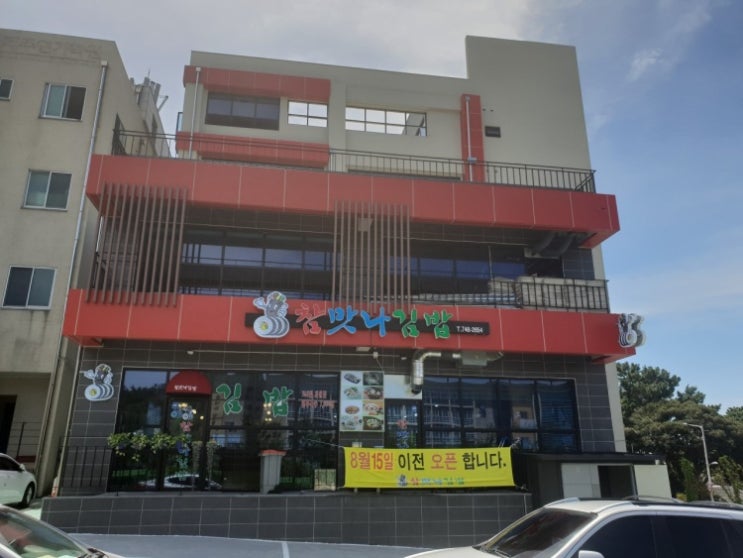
(96, 469)
(512, 174)
(534, 293)
(23, 440)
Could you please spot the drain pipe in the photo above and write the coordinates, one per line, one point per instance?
(469, 137)
(416, 376)
(193, 112)
(53, 383)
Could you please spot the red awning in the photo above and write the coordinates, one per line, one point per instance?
(189, 382)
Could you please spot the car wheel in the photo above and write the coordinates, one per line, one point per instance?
(28, 495)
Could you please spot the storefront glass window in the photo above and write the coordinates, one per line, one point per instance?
(478, 403)
(318, 401)
(557, 418)
(441, 402)
(531, 415)
(142, 401)
(443, 439)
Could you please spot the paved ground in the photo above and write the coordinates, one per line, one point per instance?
(150, 546)
(159, 546)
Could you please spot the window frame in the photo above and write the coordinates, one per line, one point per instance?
(461, 430)
(50, 175)
(29, 288)
(233, 117)
(383, 121)
(10, 89)
(65, 109)
(309, 120)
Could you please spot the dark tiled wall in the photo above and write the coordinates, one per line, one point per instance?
(418, 520)
(92, 422)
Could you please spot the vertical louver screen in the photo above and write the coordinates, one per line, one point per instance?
(371, 255)
(138, 250)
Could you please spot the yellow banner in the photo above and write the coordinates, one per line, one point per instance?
(428, 468)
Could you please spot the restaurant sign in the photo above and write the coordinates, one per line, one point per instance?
(428, 468)
(314, 320)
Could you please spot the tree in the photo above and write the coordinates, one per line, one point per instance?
(655, 420)
(730, 478)
(641, 386)
(691, 394)
(692, 487)
(735, 413)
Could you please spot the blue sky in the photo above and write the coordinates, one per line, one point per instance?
(663, 93)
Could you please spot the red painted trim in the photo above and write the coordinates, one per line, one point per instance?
(472, 135)
(239, 82)
(259, 150)
(214, 319)
(315, 192)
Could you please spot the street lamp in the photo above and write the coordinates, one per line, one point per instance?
(706, 458)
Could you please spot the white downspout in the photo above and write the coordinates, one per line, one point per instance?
(73, 257)
(193, 111)
(469, 136)
(416, 373)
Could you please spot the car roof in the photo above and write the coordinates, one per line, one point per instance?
(604, 506)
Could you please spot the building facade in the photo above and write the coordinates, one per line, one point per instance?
(349, 258)
(60, 99)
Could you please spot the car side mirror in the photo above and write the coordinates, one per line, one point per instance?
(21, 467)
(589, 554)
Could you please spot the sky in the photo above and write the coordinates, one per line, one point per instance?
(662, 84)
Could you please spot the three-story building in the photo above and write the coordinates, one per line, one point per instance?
(341, 257)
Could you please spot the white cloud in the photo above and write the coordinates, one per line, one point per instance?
(676, 25)
(642, 62)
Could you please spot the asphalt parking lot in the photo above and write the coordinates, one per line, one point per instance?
(177, 546)
(150, 546)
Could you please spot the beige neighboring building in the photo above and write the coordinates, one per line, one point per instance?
(61, 98)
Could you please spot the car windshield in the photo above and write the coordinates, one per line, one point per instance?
(27, 537)
(535, 533)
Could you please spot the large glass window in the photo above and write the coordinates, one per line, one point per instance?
(63, 101)
(247, 412)
(244, 262)
(477, 412)
(243, 111)
(236, 263)
(308, 114)
(386, 121)
(142, 401)
(29, 287)
(557, 418)
(47, 190)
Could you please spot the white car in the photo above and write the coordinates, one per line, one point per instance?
(182, 481)
(22, 536)
(634, 528)
(17, 486)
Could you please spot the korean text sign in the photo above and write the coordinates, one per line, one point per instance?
(428, 468)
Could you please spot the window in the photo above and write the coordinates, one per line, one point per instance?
(63, 101)
(242, 111)
(628, 536)
(47, 190)
(384, 121)
(308, 114)
(6, 86)
(29, 287)
(476, 412)
(698, 536)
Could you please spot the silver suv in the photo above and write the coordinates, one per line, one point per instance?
(575, 528)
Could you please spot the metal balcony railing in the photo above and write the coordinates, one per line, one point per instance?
(512, 174)
(532, 293)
